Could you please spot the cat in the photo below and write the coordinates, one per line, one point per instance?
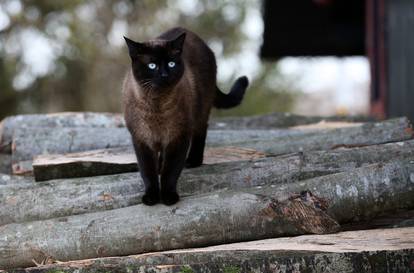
(167, 97)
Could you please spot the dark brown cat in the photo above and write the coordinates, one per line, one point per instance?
(167, 98)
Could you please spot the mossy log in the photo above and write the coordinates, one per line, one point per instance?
(380, 250)
(116, 160)
(64, 197)
(211, 219)
(66, 140)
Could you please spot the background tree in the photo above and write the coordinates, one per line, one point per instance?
(70, 56)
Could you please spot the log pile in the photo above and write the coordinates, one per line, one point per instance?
(69, 190)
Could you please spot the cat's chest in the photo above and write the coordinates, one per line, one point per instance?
(159, 129)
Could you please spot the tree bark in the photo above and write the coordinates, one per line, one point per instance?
(14, 180)
(116, 160)
(58, 120)
(278, 120)
(5, 164)
(107, 120)
(66, 140)
(385, 250)
(59, 198)
(360, 194)
(211, 219)
(215, 218)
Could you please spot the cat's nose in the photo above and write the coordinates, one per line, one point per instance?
(163, 72)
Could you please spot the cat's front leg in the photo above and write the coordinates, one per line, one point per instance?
(174, 156)
(148, 168)
(198, 141)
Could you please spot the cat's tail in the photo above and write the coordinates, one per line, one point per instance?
(234, 97)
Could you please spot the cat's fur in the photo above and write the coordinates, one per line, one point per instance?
(166, 109)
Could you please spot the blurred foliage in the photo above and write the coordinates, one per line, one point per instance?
(87, 59)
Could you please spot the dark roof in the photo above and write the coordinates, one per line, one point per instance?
(313, 28)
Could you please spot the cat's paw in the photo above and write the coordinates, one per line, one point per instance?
(169, 198)
(151, 198)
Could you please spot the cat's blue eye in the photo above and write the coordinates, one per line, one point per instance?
(152, 65)
(171, 64)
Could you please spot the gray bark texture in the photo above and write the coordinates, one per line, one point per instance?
(107, 120)
(55, 197)
(64, 197)
(215, 218)
(5, 163)
(360, 194)
(384, 250)
(15, 180)
(57, 120)
(67, 140)
(278, 120)
(116, 160)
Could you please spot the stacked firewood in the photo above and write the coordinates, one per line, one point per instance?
(70, 190)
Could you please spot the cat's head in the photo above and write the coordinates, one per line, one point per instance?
(157, 65)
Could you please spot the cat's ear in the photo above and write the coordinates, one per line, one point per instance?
(176, 45)
(135, 48)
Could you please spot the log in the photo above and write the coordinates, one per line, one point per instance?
(379, 250)
(397, 219)
(278, 120)
(215, 218)
(116, 160)
(57, 198)
(14, 180)
(368, 134)
(365, 192)
(282, 141)
(5, 164)
(22, 168)
(107, 120)
(67, 140)
(57, 120)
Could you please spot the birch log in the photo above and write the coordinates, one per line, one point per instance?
(14, 180)
(215, 218)
(64, 197)
(278, 120)
(66, 140)
(5, 163)
(205, 220)
(385, 250)
(53, 121)
(107, 120)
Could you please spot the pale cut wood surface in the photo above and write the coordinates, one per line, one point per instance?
(115, 160)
